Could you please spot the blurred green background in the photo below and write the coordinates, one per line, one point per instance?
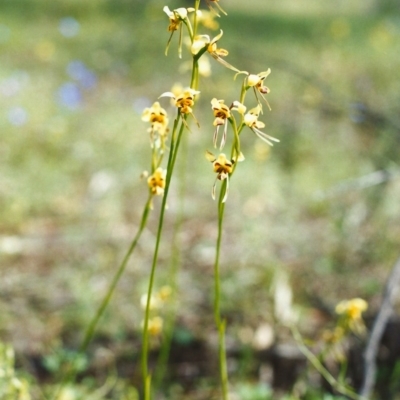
(320, 210)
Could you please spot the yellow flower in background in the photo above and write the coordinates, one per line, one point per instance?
(156, 181)
(155, 115)
(223, 167)
(176, 17)
(221, 114)
(204, 41)
(351, 312)
(164, 293)
(251, 120)
(353, 309)
(207, 19)
(155, 326)
(154, 302)
(158, 119)
(256, 81)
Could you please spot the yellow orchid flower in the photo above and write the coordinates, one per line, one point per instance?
(184, 101)
(256, 82)
(158, 119)
(204, 41)
(251, 120)
(156, 181)
(221, 114)
(223, 168)
(176, 17)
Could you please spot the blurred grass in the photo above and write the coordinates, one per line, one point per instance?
(70, 193)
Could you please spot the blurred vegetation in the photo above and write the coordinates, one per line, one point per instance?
(321, 208)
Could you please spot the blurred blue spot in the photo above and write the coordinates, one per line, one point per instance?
(358, 112)
(68, 27)
(78, 71)
(5, 33)
(69, 95)
(18, 116)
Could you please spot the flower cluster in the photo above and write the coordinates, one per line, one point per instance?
(158, 119)
(223, 116)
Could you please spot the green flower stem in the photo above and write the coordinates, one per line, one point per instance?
(217, 297)
(237, 140)
(243, 91)
(71, 373)
(173, 271)
(175, 141)
(92, 326)
(195, 22)
(195, 74)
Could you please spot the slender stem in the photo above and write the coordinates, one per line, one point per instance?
(92, 326)
(171, 162)
(195, 21)
(321, 369)
(71, 373)
(195, 73)
(217, 297)
(173, 271)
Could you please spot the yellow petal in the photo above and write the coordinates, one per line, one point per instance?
(252, 80)
(215, 40)
(264, 74)
(168, 11)
(182, 12)
(167, 94)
